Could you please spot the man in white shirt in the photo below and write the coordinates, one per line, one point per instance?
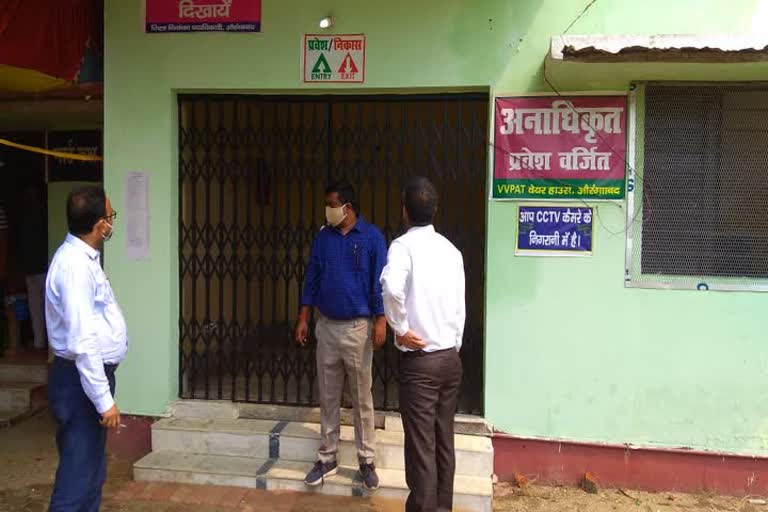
(87, 333)
(423, 287)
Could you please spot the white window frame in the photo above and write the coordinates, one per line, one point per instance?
(633, 278)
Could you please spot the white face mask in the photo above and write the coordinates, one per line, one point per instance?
(107, 238)
(335, 216)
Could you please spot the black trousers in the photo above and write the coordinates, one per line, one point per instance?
(429, 393)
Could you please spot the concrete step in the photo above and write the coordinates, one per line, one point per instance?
(299, 442)
(20, 396)
(464, 424)
(23, 372)
(9, 418)
(471, 494)
(223, 409)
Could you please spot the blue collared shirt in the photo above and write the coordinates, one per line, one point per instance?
(342, 278)
(84, 322)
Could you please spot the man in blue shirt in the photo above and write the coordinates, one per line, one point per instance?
(342, 282)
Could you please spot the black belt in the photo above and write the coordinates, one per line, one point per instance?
(341, 320)
(69, 362)
(422, 353)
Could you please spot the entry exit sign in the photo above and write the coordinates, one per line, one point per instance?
(334, 59)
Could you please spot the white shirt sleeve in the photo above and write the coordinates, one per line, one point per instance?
(394, 282)
(461, 313)
(77, 295)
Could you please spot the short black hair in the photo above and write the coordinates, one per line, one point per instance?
(85, 207)
(346, 193)
(420, 200)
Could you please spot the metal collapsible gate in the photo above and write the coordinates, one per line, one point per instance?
(252, 171)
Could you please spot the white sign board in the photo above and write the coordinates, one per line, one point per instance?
(333, 59)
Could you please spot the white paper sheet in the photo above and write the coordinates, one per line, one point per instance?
(137, 216)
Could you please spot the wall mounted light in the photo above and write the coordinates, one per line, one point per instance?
(327, 22)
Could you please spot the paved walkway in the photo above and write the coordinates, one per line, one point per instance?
(155, 496)
(28, 463)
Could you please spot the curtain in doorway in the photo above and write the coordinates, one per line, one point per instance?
(49, 38)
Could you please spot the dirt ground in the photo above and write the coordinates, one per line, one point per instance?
(557, 499)
(28, 463)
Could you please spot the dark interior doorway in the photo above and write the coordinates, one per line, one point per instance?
(252, 170)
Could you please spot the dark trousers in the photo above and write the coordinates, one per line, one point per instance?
(429, 393)
(81, 441)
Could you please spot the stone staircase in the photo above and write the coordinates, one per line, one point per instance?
(23, 389)
(216, 445)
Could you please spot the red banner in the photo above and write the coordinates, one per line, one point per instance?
(557, 147)
(203, 16)
(49, 36)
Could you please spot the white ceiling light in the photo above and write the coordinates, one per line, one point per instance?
(327, 22)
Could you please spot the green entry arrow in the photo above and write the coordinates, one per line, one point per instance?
(321, 62)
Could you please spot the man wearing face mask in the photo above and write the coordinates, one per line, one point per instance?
(342, 282)
(87, 333)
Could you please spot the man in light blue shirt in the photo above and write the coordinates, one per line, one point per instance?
(88, 338)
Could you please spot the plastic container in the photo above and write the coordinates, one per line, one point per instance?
(20, 308)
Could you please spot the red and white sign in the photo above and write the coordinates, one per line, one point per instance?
(556, 147)
(332, 59)
(203, 16)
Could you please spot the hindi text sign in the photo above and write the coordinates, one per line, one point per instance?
(554, 231)
(330, 59)
(560, 148)
(163, 16)
(81, 142)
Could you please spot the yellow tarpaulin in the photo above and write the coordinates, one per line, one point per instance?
(28, 80)
(57, 154)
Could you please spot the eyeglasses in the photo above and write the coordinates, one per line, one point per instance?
(110, 218)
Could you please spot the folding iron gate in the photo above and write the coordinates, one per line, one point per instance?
(252, 171)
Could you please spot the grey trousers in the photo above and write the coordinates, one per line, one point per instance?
(345, 351)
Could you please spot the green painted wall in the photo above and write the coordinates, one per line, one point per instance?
(572, 353)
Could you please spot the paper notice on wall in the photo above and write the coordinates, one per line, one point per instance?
(137, 216)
